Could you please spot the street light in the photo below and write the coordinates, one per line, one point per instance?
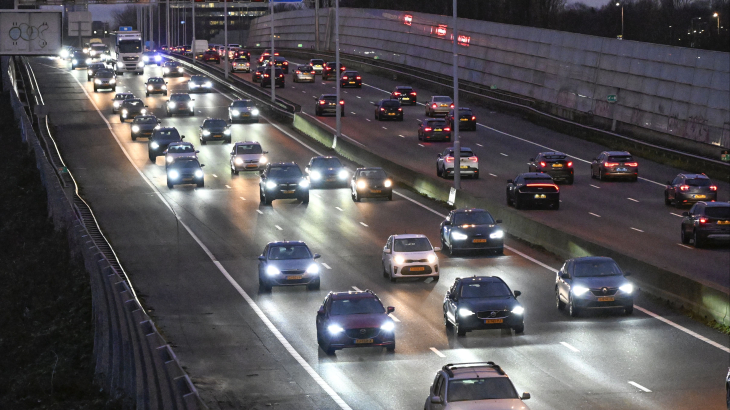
(455, 125)
(618, 4)
(717, 16)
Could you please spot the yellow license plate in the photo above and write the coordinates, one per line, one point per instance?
(251, 166)
(479, 241)
(443, 105)
(217, 136)
(318, 66)
(464, 167)
(375, 191)
(557, 165)
(417, 269)
(700, 196)
(293, 277)
(606, 299)
(391, 113)
(540, 196)
(464, 119)
(438, 129)
(491, 321)
(363, 341)
(723, 222)
(405, 98)
(288, 192)
(352, 82)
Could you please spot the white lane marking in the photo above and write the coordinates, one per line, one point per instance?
(640, 387)
(493, 175)
(595, 186)
(357, 289)
(259, 211)
(439, 354)
(228, 186)
(632, 199)
(684, 329)
(359, 96)
(479, 144)
(278, 227)
(676, 214)
(570, 347)
(260, 313)
(338, 208)
(304, 92)
(352, 112)
(326, 265)
(653, 182)
(364, 224)
(502, 153)
(372, 102)
(596, 215)
(242, 198)
(395, 319)
(367, 119)
(216, 176)
(639, 230)
(401, 136)
(685, 246)
(384, 128)
(422, 145)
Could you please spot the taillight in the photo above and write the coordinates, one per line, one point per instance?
(447, 129)
(452, 105)
(473, 159)
(321, 102)
(358, 78)
(286, 63)
(312, 72)
(298, 72)
(413, 93)
(713, 188)
(427, 129)
(684, 188)
(400, 109)
(473, 118)
(542, 164)
(396, 93)
(344, 77)
(631, 164)
(449, 159)
(342, 102)
(610, 164)
(570, 164)
(433, 106)
(703, 220)
(281, 75)
(382, 109)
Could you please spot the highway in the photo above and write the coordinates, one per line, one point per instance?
(195, 269)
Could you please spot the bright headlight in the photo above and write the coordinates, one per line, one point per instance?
(92, 53)
(304, 183)
(120, 64)
(315, 175)
(206, 132)
(145, 58)
(238, 161)
(518, 310)
(143, 111)
(141, 64)
(431, 258)
(342, 174)
(313, 269)
(497, 235)
(164, 87)
(166, 70)
(463, 312)
(191, 104)
(579, 290)
(271, 184)
(399, 259)
(335, 329)
(64, 54)
(208, 84)
(227, 132)
(235, 112)
(179, 70)
(149, 87)
(388, 326)
(117, 104)
(170, 160)
(173, 174)
(255, 111)
(627, 288)
(171, 104)
(198, 174)
(112, 81)
(135, 128)
(158, 58)
(272, 271)
(388, 183)
(74, 62)
(154, 145)
(124, 112)
(97, 81)
(88, 61)
(458, 236)
(362, 184)
(263, 160)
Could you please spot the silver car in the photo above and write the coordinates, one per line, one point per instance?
(410, 256)
(178, 150)
(243, 110)
(288, 264)
(439, 105)
(247, 156)
(240, 65)
(303, 74)
(474, 386)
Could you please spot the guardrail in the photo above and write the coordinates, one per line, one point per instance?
(133, 361)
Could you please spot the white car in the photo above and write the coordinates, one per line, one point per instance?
(469, 163)
(177, 150)
(439, 105)
(247, 156)
(410, 256)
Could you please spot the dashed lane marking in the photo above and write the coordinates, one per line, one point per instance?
(596, 215)
(632, 199)
(364, 224)
(439, 354)
(278, 227)
(597, 187)
(228, 186)
(357, 289)
(326, 265)
(242, 198)
(640, 387)
(569, 347)
(638, 230)
(338, 208)
(259, 211)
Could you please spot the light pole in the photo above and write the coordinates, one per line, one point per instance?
(622, 19)
(225, 34)
(455, 125)
(338, 107)
(271, 56)
(192, 36)
(717, 16)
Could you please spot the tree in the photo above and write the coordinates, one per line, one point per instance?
(124, 17)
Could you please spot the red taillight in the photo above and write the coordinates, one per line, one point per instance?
(413, 93)
(344, 77)
(452, 105)
(327, 68)
(433, 106)
(473, 159)
(631, 164)
(358, 78)
(545, 185)
(312, 72)
(542, 164)
(447, 129)
(570, 164)
(396, 93)
(342, 102)
(286, 63)
(298, 72)
(382, 109)
(281, 75)
(473, 118)
(427, 129)
(713, 188)
(266, 75)
(342, 68)
(684, 188)
(321, 102)
(449, 159)
(703, 220)
(610, 164)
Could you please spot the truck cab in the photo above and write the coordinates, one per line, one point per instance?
(129, 50)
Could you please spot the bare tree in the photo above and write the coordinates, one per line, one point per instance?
(124, 17)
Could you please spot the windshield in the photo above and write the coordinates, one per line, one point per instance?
(214, 124)
(554, 157)
(442, 99)
(329, 98)
(464, 112)
(587, 269)
(358, 306)
(473, 218)
(172, 64)
(391, 104)
(242, 104)
(130, 46)
(249, 149)
(133, 104)
(167, 135)
(493, 388)
(703, 182)
(316, 62)
(104, 74)
(198, 79)
(485, 290)
(404, 89)
(285, 172)
(145, 120)
(372, 174)
(622, 158)
(412, 245)
(464, 153)
(326, 163)
(305, 68)
(239, 60)
(123, 96)
(436, 123)
(180, 97)
(283, 252)
(157, 80)
(722, 212)
(538, 180)
(180, 149)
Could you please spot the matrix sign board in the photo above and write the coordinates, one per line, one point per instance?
(30, 32)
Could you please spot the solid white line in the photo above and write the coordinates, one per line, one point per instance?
(422, 145)
(228, 186)
(493, 175)
(395, 319)
(357, 289)
(570, 347)
(684, 329)
(338, 208)
(439, 354)
(259, 211)
(401, 136)
(596, 215)
(640, 387)
(685, 246)
(215, 175)
(363, 224)
(326, 265)
(594, 186)
(676, 214)
(632, 199)
(278, 227)
(502, 153)
(636, 229)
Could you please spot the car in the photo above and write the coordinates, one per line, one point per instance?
(172, 68)
(482, 302)
(151, 57)
(727, 388)
(242, 54)
(370, 182)
(66, 52)
(326, 171)
(406, 94)
(143, 126)
(434, 129)
(211, 55)
(388, 109)
(467, 119)
(409, 256)
(615, 164)
(535, 189)
(200, 83)
(471, 229)
(240, 65)
(469, 163)
(247, 156)
(214, 129)
(179, 150)
(279, 80)
(439, 105)
(105, 79)
(555, 164)
(288, 263)
(329, 70)
(155, 85)
(706, 221)
(593, 282)
(265, 56)
(283, 180)
(79, 59)
(131, 108)
(280, 63)
(243, 110)
(687, 189)
(160, 139)
(257, 74)
(93, 68)
(180, 103)
(327, 104)
(119, 98)
(97, 50)
(354, 319)
(350, 79)
(303, 74)
(317, 65)
(474, 386)
(185, 171)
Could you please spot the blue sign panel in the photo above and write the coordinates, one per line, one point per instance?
(125, 28)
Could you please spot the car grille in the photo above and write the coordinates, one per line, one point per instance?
(408, 270)
(416, 260)
(288, 186)
(251, 161)
(608, 292)
(363, 333)
(498, 314)
(130, 58)
(293, 272)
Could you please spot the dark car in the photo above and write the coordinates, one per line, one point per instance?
(288, 263)
(151, 57)
(155, 85)
(180, 103)
(283, 180)
(686, 189)
(615, 164)
(471, 229)
(242, 54)
(281, 63)
(258, 73)
(243, 110)
(555, 164)
(388, 109)
(200, 83)
(172, 68)
(533, 188)
(279, 80)
(482, 302)
(370, 183)
(79, 59)
(214, 129)
(351, 79)
(144, 126)
(354, 319)
(211, 55)
(706, 221)
(326, 171)
(329, 70)
(467, 119)
(434, 129)
(185, 171)
(119, 99)
(327, 104)
(131, 108)
(406, 94)
(105, 79)
(593, 282)
(93, 68)
(160, 139)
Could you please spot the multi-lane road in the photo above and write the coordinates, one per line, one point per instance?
(192, 253)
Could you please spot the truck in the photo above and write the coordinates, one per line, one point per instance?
(199, 47)
(128, 50)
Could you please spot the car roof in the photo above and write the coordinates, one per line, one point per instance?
(211, 118)
(695, 176)
(481, 279)
(617, 153)
(352, 294)
(370, 169)
(141, 117)
(474, 371)
(535, 175)
(179, 94)
(408, 236)
(166, 129)
(181, 143)
(198, 76)
(591, 258)
(468, 210)
(284, 164)
(462, 149)
(324, 156)
(715, 204)
(279, 243)
(247, 143)
(125, 93)
(327, 96)
(553, 153)
(401, 87)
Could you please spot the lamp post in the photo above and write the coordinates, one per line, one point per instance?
(272, 58)
(622, 19)
(338, 76)
(717, 16)
(225, 34)
(455, 125)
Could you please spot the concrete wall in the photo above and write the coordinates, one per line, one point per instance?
(679, 91)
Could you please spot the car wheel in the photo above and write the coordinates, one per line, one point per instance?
(572, 308)
(666, 199)
(153, 158)
(559, 303)
(593, 174)
(459, 330)
(634, 178)
(476, 176)
(134, 138)
(447, 324)
(698, 242)
(121, 119)
(499, 251)
(201, 184)
(451, 250)
(392, 278)
(556, 205)
(629, 310)
(385, 271)
(517, 202)
(601, 176)
(390, 196)
(203, 142)
(677, 203)
(261, 195)
(684, 236)
(570, 180)
(438, 171)
(391, 348)
(168, 113)
(264, 287)
(355, 196)
(305, 199)
(519, 329)
(329, 349)
(146, 94)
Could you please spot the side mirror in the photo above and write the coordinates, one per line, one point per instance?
(266, 152)
(525, 396)
(437, 249)
(499, 221)
(317, 256)
(202, 165)
(517, 293)
(390, 309)
(192, 99)
(386, 250)
(685, 213)
(145, 106)
(262, 258)
(159, 121)
(165, 83)
(447, 223)
(509, 181)
(564, 276)
(232, 152)
(320, 311)
(197, 152)
(532, 159)
(627, 273)
(435, 400)
(164, 152)
(595, 159)
(438, 155)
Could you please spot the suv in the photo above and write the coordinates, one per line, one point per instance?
(533, 188)
(404, 93)
(160, 140)
(469, 163)
(467, 120)
(288, 263)
(354, 319)
(687, 189)
(388, 108)
(329, 70)
(326, 171)
(131, 108)
(211, 55)
(327, 104)
(482, 302)
(351, 79)
(555, 164)
(280, 62)
(279, 79)
(619, 164)
(410, 256)
(706, 221)
(593, 282)
(317, 65)
(476, 385)
(283, 180)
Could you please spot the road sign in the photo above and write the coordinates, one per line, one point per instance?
(30, 32)
(79, 23)
(125, 28)
(611, 98)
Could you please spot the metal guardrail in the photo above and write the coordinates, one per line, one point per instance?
(133, 361)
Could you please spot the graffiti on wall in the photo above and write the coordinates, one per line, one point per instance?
(696, 128)
(566, 98)
(603, 109)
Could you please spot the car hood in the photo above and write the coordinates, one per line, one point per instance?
(294, 180)
(156, 85)
(503, 404)
(146, 127)
(414, 255)
(601, 281)
(291, 264)
(178, 155)
(477, 305)
(360, 321)
(248, 157)
(327, 171)
(483, 230)
(215, 130)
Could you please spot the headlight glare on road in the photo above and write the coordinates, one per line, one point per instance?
(238, 161)
(342, 174)
(125, 112)
(255, 111)
(313, 269)
(135, 128)
(304, 183)
(315, 175)
(399, 259)
(154, 145)
(198, 174)
(361, 184)
(112, 81)
(272, 271)
(431, 258)
(173, 174)
(388, 326)
(463, 312)
(388, 183)
(518, 310)
(458, 236)
(580, 290)
(627, 288)
(158, 58)
(191, 104)
(335, 329)
(235, 112)
(497, 235)
(271, 185)
(206, 132)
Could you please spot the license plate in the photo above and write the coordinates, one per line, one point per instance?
(723, 222)
(443, 105)
(245, 114)
(405, 99)
(375, 191)
(352, 82)
(557, 165)
(217, 136)
(464, 167)
(288, 192)
(438, 129)
(331, 104)
(700, 196)
(363, 341)
(318, 66)
(491, 321)
(331, 179)
(391, 113)
(293, 277)
(479, 241)
(464, 119)
(606, 299)
(251, 166)
(540, 196)
(621, 169)
(417, 269)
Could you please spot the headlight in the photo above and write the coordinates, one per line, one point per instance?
(164, 87)
(170, 160)
(145, 58)
(271, 185)
(198, 174)
(158, 58)
(166, 70)
(140, 64)
(362, 184)
(235, 112)
(74, 62)
(92, 53)
(399, 259)
(388, 326)
(255, 111)
(149, 87)
(135, 128)
(120, 64)
(143, 111)
(88, 61)
(388, 183)
(191, 104)
(173, 174)
(304, 183)
(627, 288)
(342, 174)
(227, 132)
(313, 269)
(272, 271)
(518, 310)
(116, 104)
(263, 160)
(154, 145)
(458, 236)
(463, 312)
(171, 104)
(497, 235)
(206, 132)
(179, 70)
(208, 84)
(112, 81)
(431, 258)
(315, 175)
(64, 54)
(124, 112)
(238, 161)
(579, 290)
(97, 81)
(335, 329)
